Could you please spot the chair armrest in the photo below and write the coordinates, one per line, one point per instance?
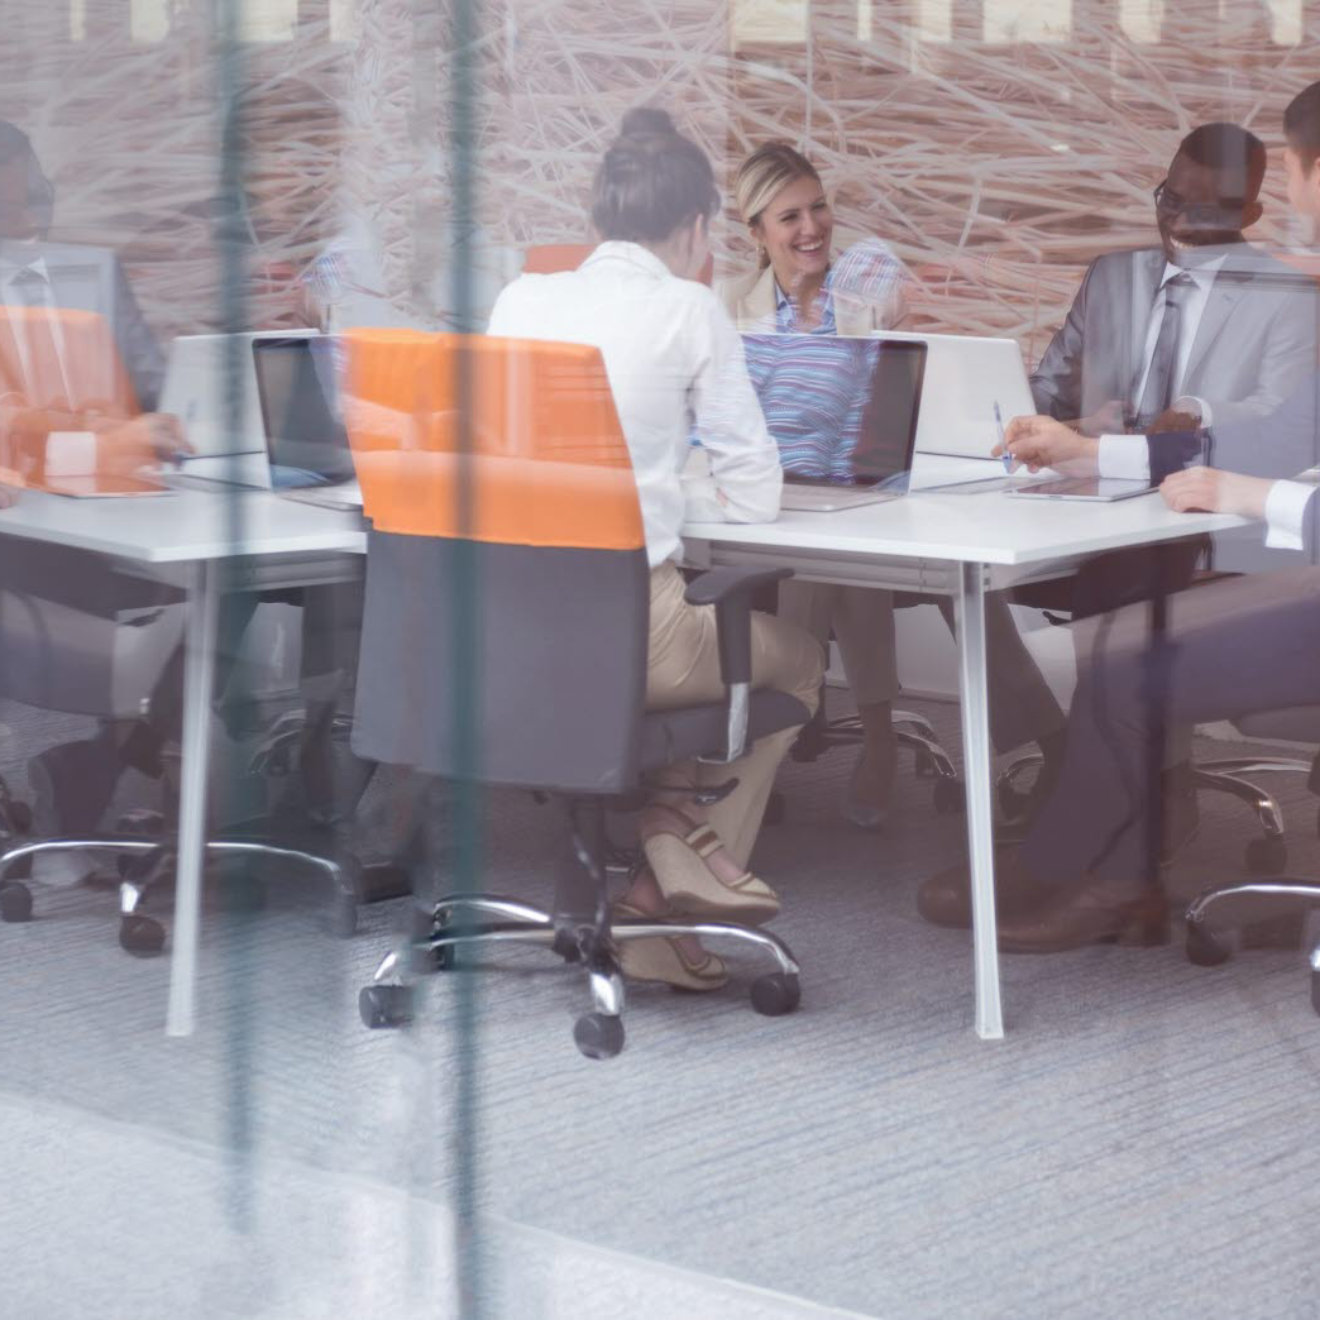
(730, 590)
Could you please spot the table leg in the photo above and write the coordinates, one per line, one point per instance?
(198, 681)
(972, 675)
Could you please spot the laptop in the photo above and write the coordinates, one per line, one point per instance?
(974, 387)
(299, 446)
(844, 413)
(306, 442)
(197, 391)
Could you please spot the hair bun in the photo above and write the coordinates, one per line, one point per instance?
(646, 121)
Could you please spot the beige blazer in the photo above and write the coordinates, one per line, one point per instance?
(750, 301)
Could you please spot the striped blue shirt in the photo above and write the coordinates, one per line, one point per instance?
(813, 391)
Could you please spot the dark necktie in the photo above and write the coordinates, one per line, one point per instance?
(43, 379)
(1158, 392)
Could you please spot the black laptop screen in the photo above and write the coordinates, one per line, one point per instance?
(305, 433)
(842, 410)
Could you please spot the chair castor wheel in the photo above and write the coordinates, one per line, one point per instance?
(19, 869)
(1205, 948)
(20, 817)
(386, 1005)
(15, 902)
(426, 960)
(141, 936)
(598, 1035)
(775, 809)
(949, 800)
(1012, 803)
(776, 993)
(1266, 856)
(343, 917)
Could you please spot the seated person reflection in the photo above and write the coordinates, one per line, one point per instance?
(674, 362)
(72, 373)
(1204, 328)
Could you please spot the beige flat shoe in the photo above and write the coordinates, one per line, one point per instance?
(662, 959)
(678, 855)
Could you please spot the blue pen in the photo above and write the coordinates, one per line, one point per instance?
(999, 426)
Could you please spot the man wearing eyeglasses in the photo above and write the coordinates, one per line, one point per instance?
(1204, 329)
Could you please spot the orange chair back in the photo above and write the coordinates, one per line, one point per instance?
(551, 258)
(64, 361)
(508, 441)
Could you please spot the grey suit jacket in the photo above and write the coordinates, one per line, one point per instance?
(90, 279)
(1256, 339)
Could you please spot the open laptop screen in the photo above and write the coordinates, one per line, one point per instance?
(842, 410)
(305, 433)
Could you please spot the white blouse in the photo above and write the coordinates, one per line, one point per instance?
(675, 363)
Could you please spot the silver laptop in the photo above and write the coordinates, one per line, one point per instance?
(197, 390)
(844, 413)
(974, 388)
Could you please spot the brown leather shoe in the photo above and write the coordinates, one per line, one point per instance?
(1096, 914)
(946, 899)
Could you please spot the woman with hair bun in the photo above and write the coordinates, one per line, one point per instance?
(675, 365)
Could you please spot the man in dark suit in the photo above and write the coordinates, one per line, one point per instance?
(1204, 324)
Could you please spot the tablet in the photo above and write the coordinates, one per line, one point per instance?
(1104, 490)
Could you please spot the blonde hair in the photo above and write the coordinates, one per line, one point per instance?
(762, 176)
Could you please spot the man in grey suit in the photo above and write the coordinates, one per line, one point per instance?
(1204, 326)
(69, 276)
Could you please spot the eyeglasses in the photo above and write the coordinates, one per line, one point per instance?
(1168, 202)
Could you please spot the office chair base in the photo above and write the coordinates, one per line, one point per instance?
(911, 731)
(463, 920)
(1210, 946)
(151, 864)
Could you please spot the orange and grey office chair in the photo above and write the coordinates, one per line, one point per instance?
(540, 575)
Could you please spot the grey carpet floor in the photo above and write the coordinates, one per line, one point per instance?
(1143, 1143)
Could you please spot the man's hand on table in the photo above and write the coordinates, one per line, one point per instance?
(1041, 442)
(1208, 490)
(162, 432)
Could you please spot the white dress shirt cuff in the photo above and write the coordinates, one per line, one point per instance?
(1285, 514)
(1125, 456)
(701, 498)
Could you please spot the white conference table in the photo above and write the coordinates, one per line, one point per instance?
(938, 544)
(958, 546)
(203, 542)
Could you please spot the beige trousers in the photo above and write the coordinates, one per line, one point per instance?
(683, 669)
(862, 621)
